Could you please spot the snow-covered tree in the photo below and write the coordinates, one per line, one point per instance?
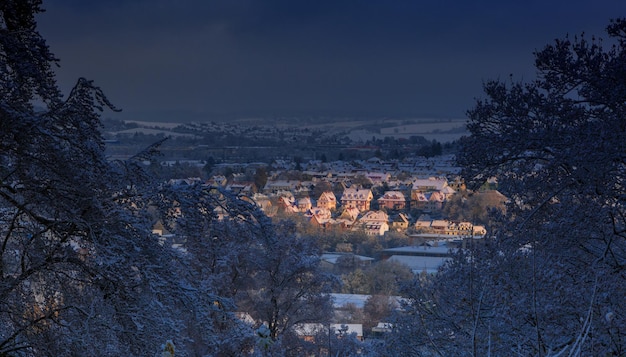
(550, 280)
(231, 250)
(81, 272)
(214, 233)
(289, 286)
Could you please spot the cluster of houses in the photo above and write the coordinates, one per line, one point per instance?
(352, 209)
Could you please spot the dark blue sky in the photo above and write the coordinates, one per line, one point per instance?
(183, 60)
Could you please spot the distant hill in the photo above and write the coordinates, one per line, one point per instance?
(441, 130)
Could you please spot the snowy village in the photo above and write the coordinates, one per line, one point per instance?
(328, 178)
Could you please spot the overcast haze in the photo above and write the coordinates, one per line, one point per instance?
(189, 60)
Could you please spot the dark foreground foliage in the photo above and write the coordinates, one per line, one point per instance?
(550, 279)
(81, 272)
